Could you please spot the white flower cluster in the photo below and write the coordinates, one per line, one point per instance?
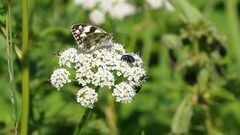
(117, 9)
(101, 68)
(68, 57)
(123, 92)
(156, 4)
(60, 77)
(87, 97)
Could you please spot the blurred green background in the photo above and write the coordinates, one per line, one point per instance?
(191, 55)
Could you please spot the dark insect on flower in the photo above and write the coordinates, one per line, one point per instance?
(48, 80)
(58, 53)
(137, 88)
(90, 37)
(130, 58)
(142, 78)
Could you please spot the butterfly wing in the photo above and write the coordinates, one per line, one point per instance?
(80, 31)
(89, 37)
(96, 40)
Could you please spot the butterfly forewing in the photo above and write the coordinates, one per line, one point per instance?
(89, 37)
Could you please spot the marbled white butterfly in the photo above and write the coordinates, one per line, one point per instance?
(90, 37)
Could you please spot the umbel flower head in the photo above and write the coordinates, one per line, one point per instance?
(60, 77)
(102, 68)
(117, 9)
(156, 4)
(87, 97)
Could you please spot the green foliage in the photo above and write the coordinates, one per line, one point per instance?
(191, 57)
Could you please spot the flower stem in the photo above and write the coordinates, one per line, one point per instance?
(83, 119)
(25, 70)
(82, 122)
(110, 115)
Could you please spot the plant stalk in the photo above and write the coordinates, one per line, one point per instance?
(111, 116)
(9, 47)
(25, 70)
(234, 33)
(82, 122)
(83, 119)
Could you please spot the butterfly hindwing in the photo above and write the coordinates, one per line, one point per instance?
(89, 37)
(96, 40)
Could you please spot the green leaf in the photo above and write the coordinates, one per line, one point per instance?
(183, 115)
(187, 12)
(18, 52)
(171, 41)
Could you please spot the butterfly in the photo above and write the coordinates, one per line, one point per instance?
(90, 37)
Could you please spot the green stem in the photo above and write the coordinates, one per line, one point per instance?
(147, 48)
(110, 115)
(233, 27)
(208, 121)
(25, 70)
(10, 67)
(83, 119)
(147, 38)
(134, 37)
(82, 122)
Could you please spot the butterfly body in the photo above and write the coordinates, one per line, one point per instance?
(90, 37)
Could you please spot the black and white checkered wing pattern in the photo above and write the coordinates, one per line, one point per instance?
(90, 38)
(81, 31)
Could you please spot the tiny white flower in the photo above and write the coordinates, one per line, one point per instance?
(86, 97)
(103, 78)
(97, 17)
(68, 57)
(121, 10)
(106, 5)
(169, 6)
(87, 4)
(138, 61)
(156, 4)
(123, 92)
(117, 9)
(104, 58)
(135, 74)
(60, 77)
(84, 75)
(83, 60)
(118, 48)
(122, 68)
